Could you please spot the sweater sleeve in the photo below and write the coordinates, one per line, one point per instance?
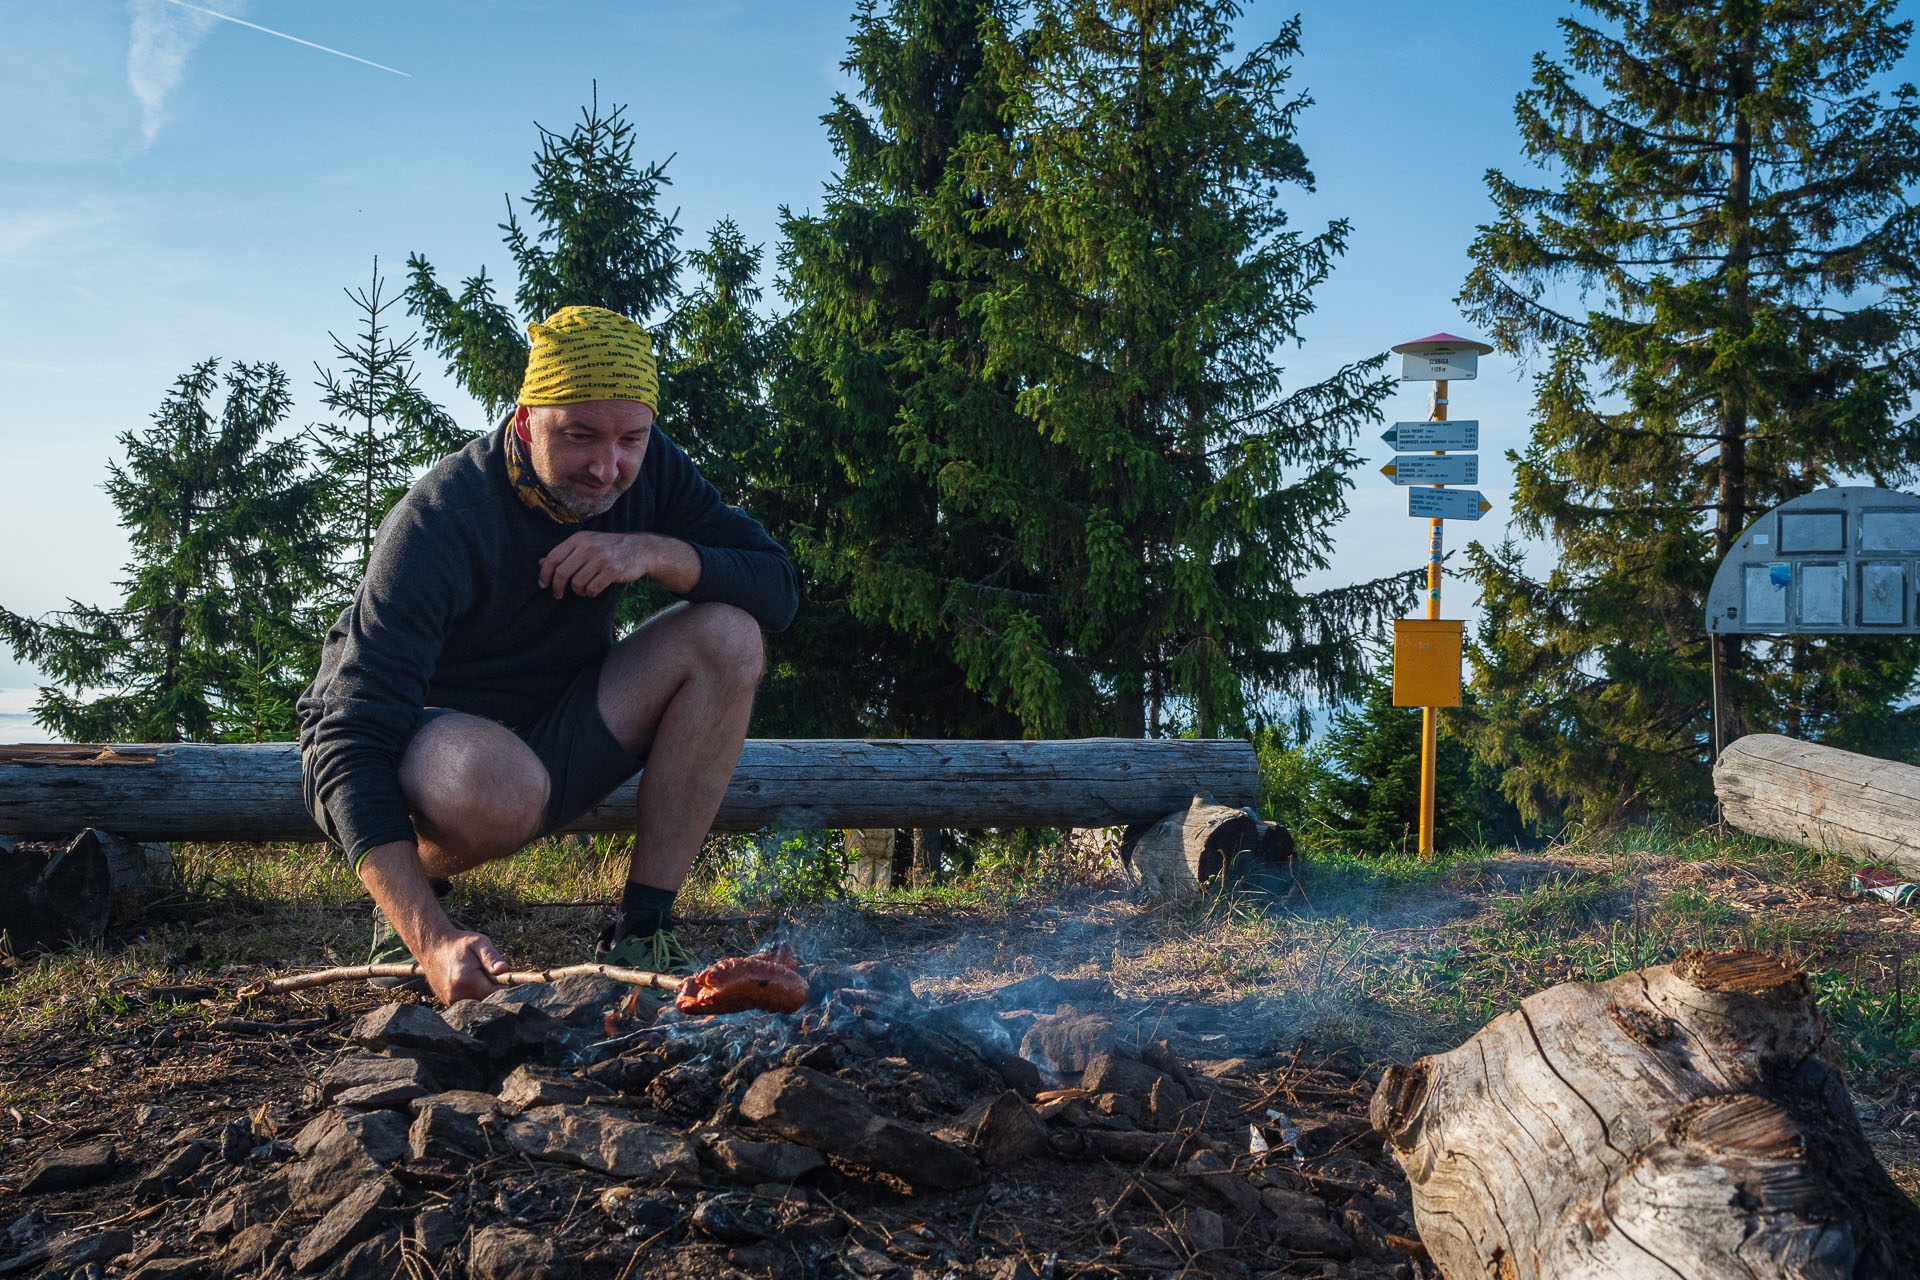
(740, 563)
(383, 654)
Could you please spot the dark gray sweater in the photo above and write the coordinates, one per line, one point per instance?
(451, 614)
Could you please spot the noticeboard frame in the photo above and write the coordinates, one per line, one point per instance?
(1798, 551)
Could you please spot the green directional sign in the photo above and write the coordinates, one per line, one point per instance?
(1447, 504)
(1416, 437)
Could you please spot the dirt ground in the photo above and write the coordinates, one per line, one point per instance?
(1279, 1016)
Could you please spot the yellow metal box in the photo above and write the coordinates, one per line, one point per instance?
(1426, 662)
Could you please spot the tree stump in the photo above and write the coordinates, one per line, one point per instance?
(48, 901)
(870, 857)
(1684, 1120)
(1174, 857)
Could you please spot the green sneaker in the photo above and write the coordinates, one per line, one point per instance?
(656, 952)
(388, 948)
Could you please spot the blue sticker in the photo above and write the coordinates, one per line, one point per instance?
(1779, 575)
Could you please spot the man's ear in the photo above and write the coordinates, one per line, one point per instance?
(521, 416)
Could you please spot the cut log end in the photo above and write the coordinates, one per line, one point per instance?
(1685, 1115)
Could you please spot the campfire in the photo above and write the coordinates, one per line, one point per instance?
(854, 1128)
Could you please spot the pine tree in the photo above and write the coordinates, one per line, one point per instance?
(598, 238)
(896, 585)
(718, 357)
(385, 429)
(1733, 210)
(214, 636)
(1139, 278)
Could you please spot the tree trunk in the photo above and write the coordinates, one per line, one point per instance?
(926, 856)
(1822, 798)
(1683, 1120)
(252, 792)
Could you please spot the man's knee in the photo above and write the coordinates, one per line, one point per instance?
(471, 785)
(730, 642)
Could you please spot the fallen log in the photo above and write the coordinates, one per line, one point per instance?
(1683, 1120)
(49, 900)
(361, 972)
(251, 792)
(1822, 798)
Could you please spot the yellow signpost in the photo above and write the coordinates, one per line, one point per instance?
(1426, 651)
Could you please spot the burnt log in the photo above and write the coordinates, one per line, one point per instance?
(251, 792)
(1822, 798)
(1687, 1119)
(1201, 842)
(53, 898)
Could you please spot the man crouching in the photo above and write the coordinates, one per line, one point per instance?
(472, 697)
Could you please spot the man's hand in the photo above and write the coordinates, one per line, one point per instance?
(461, 967)
(588, 563)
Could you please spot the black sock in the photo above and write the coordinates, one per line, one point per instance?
(440, 885)
(644, 909)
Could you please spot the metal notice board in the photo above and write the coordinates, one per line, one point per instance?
(1837, 562)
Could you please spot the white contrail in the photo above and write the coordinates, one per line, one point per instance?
(214, 13)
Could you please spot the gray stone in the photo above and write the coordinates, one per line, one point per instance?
(355, 1217)
(819, 1111)
(246, 1250)
(179, 1165)
(1222, 1185)
(470, 1102)
(1067, 1041)
(365, 1071)
(604, 1141)
(1041, 993)
(338, 1165)
(168, 1268)
(70, 1251)
(734, 1218)
(586, 998)
(386, 1097)
(1314, 1235)
(372, 1259)
(527, 1087)
(437, 1230)
(1283, 1203)
(758, 1162)
(1000, 1130)
(448, 1132)
(382, 1133)
(239, 1208)
(1200, 1230)
(1115, 1073)
(71, 1167)
(412, 1026)
(508, 1253)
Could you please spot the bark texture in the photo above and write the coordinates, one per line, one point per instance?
(1683, 1120)
(1822, 798)
(1174, 857)
(251, 792)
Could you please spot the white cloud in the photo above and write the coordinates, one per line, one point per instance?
(164, 36)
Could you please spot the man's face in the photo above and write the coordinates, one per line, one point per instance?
(588, 454)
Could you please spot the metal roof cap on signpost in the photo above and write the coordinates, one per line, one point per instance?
(1440, 344)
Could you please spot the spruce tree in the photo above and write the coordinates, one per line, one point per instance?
(1138, 278)
(896, 585)
(718, 356)
(597, 237)
(385, 428)
(215, 634)
(1720, 280)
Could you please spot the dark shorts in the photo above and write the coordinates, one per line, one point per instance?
(584, 761)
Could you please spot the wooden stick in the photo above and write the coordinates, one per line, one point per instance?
(359, 972)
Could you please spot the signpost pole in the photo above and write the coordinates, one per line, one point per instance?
(1430, 716)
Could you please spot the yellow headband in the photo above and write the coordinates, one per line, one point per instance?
(589, 353)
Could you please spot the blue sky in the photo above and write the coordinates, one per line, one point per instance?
(180, 187)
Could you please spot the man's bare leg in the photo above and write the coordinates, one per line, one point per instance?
(679, 691)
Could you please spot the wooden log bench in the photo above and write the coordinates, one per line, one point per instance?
(1822, 798)
(251, 793)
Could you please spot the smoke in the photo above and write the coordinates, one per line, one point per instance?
(164, 36)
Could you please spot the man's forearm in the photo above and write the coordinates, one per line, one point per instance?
(672, 563)
(393, 875)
